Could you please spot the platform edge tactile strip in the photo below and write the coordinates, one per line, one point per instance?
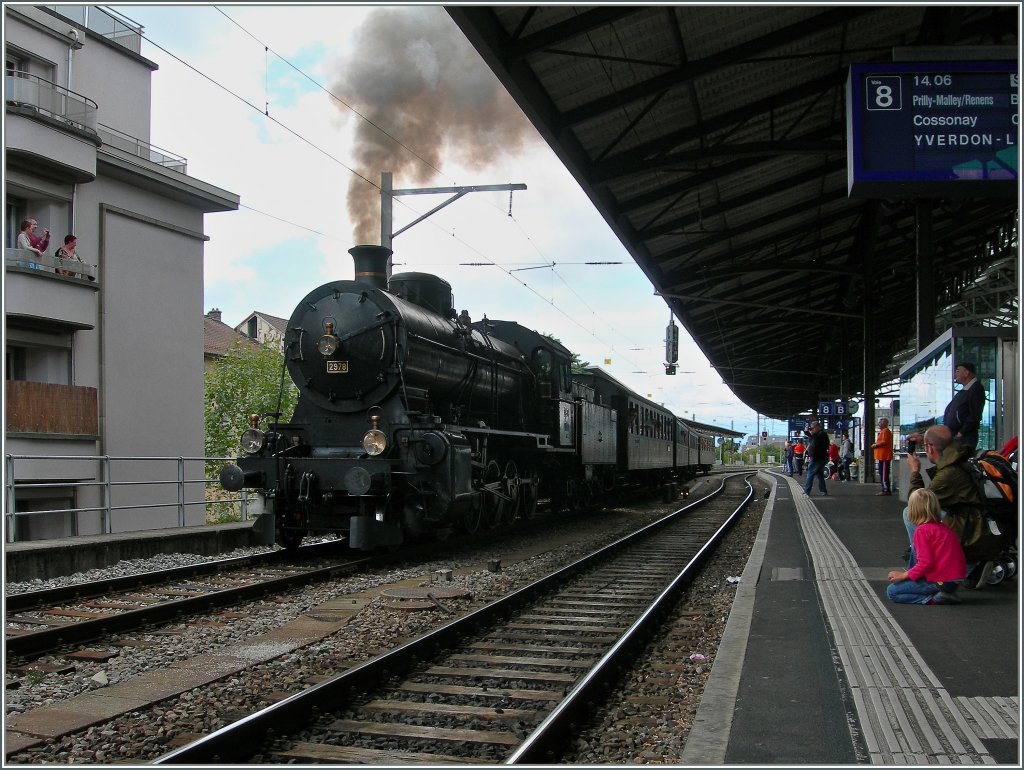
(905, 715)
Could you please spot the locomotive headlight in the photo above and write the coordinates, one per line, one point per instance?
(252, 440)
(374, 442)
(328, 344)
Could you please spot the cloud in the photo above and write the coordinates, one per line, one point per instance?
(426, 103)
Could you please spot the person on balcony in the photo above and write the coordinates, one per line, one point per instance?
(27, 239)
(68, 254)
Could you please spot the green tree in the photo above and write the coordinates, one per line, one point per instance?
(577, 366)
(248, 380)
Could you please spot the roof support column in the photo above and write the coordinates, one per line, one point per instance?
(925, 259)
(868, 456)
(867, 238)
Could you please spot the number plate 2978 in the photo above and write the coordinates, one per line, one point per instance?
(337, 367)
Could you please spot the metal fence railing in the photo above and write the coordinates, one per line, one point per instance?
(114, 138)
(107, 22)
(37, 95)
(48, 263)
(120, 494)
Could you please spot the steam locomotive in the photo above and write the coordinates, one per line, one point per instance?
(412, 420)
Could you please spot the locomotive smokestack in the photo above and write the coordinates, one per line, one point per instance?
(371, 263)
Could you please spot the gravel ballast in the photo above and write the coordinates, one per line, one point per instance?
(633, 730)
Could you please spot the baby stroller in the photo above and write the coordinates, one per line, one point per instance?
(831, 471)
(1004, 567)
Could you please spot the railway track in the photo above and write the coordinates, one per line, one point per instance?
(39, 621)
(504, 683)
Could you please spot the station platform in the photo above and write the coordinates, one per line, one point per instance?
(46, 559)
(818, 667)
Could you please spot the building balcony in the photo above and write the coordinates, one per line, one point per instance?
(23, 260)
(34, 291)
(49, 130)
(42, 410)
(104, 22)
(31, 95)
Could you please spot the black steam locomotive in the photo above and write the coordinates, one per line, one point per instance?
(413, 420)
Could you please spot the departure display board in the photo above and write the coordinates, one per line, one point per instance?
(933, 129)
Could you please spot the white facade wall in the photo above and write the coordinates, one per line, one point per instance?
(136, 332)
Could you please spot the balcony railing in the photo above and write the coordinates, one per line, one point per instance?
(110, 24)
(29, 260)
(113, 138)
(42, 407)
(31, 93)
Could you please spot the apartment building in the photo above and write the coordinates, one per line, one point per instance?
(106, 361)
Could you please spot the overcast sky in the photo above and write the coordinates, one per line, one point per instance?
(297, 109)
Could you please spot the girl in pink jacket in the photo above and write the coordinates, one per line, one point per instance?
(938, 563)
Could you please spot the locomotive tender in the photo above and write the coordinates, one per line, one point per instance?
(413, 420)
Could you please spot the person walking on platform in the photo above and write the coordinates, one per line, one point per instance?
(938, 563)
(833, 460)
(798, 456)
(963, 414)
(817, 451)
(883, 456)
(845, 457)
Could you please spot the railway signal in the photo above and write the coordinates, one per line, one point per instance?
(671, 347)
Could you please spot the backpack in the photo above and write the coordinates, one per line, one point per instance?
(996, 482)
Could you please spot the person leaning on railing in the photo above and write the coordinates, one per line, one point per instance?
(67, 253)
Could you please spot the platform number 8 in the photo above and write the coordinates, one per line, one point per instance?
(884, 93)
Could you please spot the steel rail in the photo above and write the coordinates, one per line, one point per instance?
(32, 599)
(87, 630)
(234, 743)
(543, 745)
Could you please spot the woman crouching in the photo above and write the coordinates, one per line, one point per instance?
(937, 564)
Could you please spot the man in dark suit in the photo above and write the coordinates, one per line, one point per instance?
(963, 414)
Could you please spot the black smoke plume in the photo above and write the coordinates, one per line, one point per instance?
(413, 74)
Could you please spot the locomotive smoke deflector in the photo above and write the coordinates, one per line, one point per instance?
(371, 264)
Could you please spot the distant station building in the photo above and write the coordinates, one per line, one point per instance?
(103, 359)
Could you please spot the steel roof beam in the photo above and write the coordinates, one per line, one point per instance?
(726, 206)
(679, 76)
(632, 161)
(563, 31)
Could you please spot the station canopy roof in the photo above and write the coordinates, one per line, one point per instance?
(712, 138)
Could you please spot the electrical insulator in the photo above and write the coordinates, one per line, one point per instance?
(671, 343)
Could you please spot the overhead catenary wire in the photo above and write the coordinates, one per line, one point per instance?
(264, 112)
